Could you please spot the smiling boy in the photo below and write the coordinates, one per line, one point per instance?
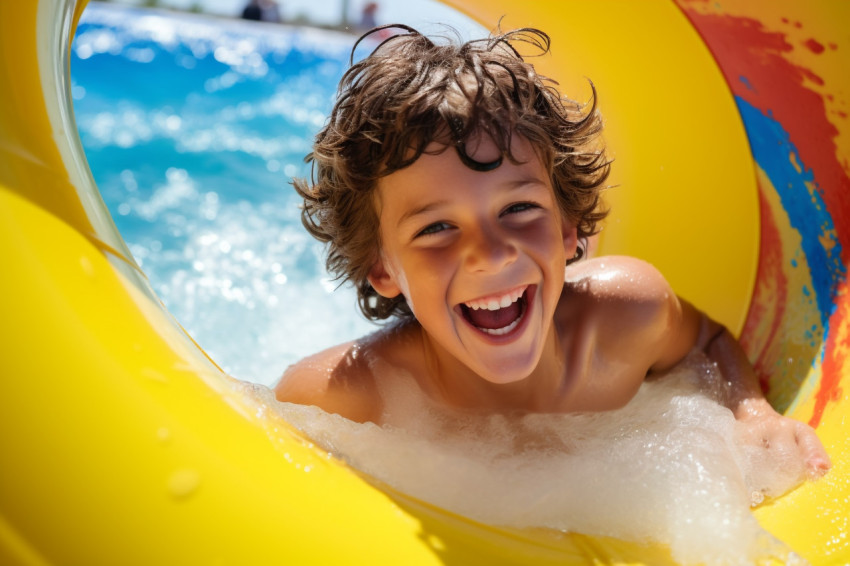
(453, 185)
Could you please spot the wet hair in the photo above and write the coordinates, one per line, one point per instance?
(412, 91)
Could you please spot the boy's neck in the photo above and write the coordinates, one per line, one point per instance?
(449, 381)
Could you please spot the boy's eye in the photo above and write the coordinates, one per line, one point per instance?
(432, 229)
(520, 207)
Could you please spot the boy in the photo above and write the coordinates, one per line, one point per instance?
(453, 184)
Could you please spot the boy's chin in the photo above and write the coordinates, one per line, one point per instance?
(505, 372)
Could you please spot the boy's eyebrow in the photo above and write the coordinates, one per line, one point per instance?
(420, 210)
(524, 181)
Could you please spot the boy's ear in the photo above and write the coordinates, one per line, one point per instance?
(569, 233)
(382, 281)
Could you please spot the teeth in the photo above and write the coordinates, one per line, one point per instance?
(496, 303)
(500, 331)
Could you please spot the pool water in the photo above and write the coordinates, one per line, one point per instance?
(193, 127)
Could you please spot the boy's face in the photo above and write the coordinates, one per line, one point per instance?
(479, 256)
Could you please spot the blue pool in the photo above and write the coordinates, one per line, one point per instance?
(193, 127)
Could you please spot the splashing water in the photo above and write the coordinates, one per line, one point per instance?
(193, 149)
(669, 467)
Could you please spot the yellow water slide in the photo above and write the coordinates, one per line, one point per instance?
(122, 443)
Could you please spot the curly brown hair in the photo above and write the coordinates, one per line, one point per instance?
(410, 92)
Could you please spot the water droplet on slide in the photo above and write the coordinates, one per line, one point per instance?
(183, 483)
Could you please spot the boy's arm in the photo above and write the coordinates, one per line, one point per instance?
(742, 394)
(336, 380)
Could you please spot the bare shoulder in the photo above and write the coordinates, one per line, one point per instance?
(341, 379)
(618, 279)
(337, 380)
(633, 309)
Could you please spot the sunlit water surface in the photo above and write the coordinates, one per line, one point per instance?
(193, 128)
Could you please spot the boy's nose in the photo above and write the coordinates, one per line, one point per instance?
(489, 251)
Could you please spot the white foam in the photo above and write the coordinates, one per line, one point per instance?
(669, 467)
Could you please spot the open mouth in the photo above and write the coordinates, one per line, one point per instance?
(497, 315)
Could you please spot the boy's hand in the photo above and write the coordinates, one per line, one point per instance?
(783, 451)
(789, 444)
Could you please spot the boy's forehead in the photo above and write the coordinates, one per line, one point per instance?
(479, 146)
(440, 167)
